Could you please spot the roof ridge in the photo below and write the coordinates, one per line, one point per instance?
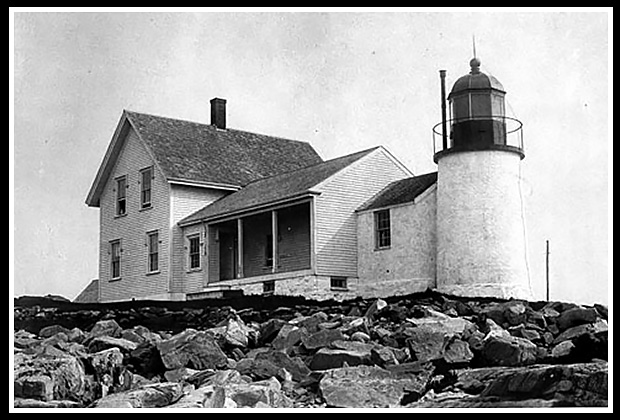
(213, 127)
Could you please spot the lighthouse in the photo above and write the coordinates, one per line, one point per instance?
(481, 248)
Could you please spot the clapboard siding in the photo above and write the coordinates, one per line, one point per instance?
(185, 200)
(132, 228)
(294, 233)
(340, 195)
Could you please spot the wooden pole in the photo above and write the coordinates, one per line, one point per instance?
(547, 269)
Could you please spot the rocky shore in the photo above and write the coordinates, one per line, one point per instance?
(423, 350)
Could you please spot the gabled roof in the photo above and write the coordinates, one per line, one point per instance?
(274, 189)
(400, 192)
(203, 154)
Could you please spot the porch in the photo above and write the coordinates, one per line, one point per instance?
(260, 245)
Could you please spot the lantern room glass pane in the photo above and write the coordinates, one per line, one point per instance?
(460, 107)
(497, 105)
(480, 104)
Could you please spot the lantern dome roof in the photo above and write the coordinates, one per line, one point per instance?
(476, 80)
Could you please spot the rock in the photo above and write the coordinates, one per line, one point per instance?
(131, 335)
(521, 331)
(146, 360)
(357, 324)
(602, 310)
(327, 358)
(537, 318)
(236, 333)
(288, 336)
(180, 374)
(573, 332)
(149, 396)
(562, 350)
(322, 338)
(23, 339)
(261, 394)
(576, 316)
(383, 356)
(550, 314)
(270, 329)
(51, 330)
(360, 336)
(425, 343)
(192, 349)
(443, 323)
(362, 387)
(59, 377)
(310, 323)
(110, 372)
(76, 335)
(580, 384)
(459, 399)
(294, 365)
(209, 377)
(257, 368)
(30, 403)
(105, 342)
(107, 327)
(108, 361)
(457, 352)
(377, 306)
(515, 313)
(501, 350)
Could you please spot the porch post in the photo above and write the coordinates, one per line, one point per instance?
(274, 241)
(311, 207)
(239, 248)
(205, 264)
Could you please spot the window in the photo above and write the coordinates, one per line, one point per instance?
(115, 265)
(269, 287)
(153, 251)
(269, 251)
(121, 196)
(383, 237)
(194, 252)
(145, 188)
(338, 283)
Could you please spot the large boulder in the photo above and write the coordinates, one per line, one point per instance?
(363, 387)
(426, 343)
(233, 392)
(192, 349)
(576, 316)
(350, 352)
(321, 339)
(104, 342)
(149, 396)
(506, 350)
(146, 360)
(107, 327)
(51, 330)
(49, 377)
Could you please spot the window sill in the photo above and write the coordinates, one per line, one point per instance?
(152, 273)
(194, 270)
(118, 216)
(383, 248)
(339, 289)
(146, 208)
(115, 279)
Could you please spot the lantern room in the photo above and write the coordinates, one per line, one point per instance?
(477, 119)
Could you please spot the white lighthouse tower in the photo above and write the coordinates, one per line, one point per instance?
(480, 233)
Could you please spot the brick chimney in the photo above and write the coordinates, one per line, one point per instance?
(218, 113)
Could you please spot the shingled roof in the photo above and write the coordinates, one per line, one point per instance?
(400, 192)
(273, 189)
(204, 154)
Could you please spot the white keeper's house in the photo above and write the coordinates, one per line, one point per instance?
(190, 210)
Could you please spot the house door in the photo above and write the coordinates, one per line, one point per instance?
(228, 255)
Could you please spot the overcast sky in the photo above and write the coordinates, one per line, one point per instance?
(341, 81)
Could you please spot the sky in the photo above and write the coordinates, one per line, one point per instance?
(342, 81)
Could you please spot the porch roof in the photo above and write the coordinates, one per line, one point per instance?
(274, 189)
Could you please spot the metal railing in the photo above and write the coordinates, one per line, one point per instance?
(509, 132)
